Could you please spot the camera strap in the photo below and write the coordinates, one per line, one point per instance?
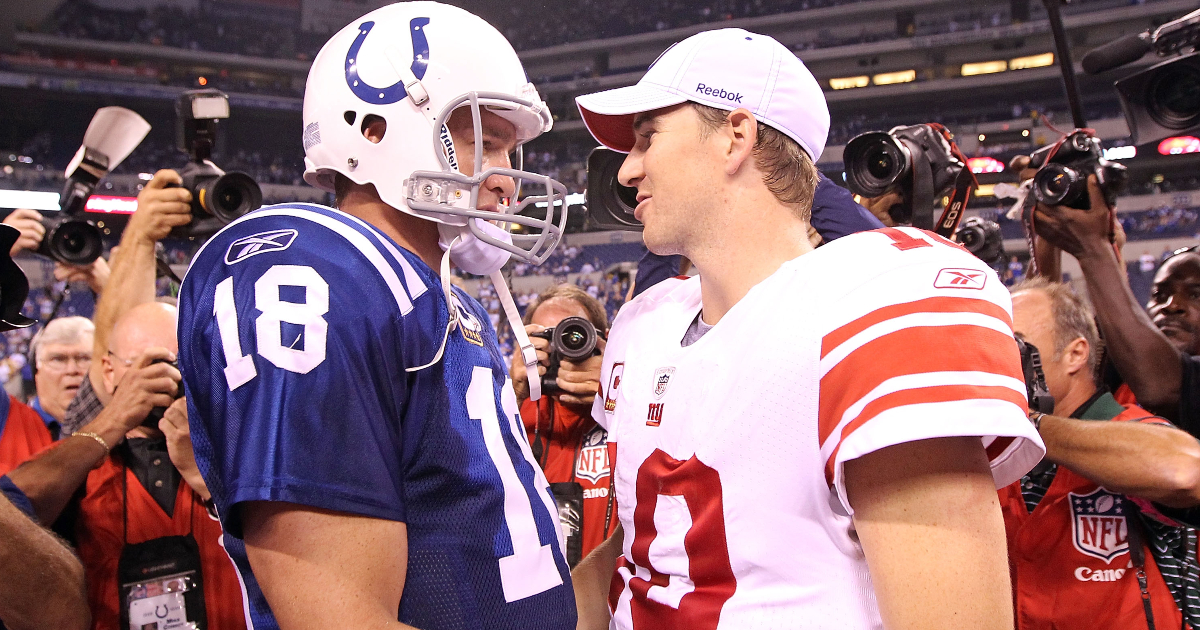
(964, 186)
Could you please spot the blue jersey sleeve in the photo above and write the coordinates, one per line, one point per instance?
(295, 334)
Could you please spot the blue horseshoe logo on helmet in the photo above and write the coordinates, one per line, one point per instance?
(395, 92)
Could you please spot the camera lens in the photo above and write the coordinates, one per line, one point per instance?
(880, 163)
(230, 196)
(875, 162)
(1059, 185)
(628, 198)
(75, 242)
(1174, 96)
(575, 338)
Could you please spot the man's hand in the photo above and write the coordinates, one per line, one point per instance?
(1078, 232)
(174, 425)
(95, 274)
(29, 222)
(149, 383)
(879, 206)
(160, 208)
(517, 371)
(580, 381)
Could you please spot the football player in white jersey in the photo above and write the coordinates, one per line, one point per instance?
(802, 438)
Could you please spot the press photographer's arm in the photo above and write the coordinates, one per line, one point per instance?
(1143, 355)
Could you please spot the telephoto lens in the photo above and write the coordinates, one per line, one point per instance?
(875, 163)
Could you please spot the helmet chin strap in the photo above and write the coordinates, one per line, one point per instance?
(514, 321)
(528, 354)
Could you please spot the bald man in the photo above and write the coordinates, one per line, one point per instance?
(144, 506)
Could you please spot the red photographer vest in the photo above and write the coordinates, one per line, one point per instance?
(23, 434)
(575, 451)
(1070, 561)
(100, 539)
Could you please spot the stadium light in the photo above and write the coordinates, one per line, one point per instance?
(985, 190)
(983, 67)
(845, 83)
(28, 199)
(1179, 145)
(111, 205)
(889, 78)
(985, 165)
(1032, 61)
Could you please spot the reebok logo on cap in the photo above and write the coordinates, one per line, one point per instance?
(733, 97)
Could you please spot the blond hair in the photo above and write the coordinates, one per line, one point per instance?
(788, 170)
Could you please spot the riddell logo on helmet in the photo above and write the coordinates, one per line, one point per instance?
(733, 97)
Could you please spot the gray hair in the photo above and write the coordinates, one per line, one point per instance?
(1073, 317)
(63, 330)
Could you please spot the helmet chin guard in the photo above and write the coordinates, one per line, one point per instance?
(449, 192)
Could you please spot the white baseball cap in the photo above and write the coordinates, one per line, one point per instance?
(726, 68)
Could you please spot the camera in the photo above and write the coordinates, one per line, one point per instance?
(1063, 169)
(70, 238)
(1035, 379)
(574, 338)
(983, 239)
(217, 197)
(111, 136)
(918, 161)
(610, 205)
(156, 413)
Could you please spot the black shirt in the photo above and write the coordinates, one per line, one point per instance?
(150, 463)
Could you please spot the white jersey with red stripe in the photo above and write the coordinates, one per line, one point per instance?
(729, 452)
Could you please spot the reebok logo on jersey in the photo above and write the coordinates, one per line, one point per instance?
(261, 243)
(960, 279)
(1098, 523)
(662, 379)
(732, 97)
(614, 381)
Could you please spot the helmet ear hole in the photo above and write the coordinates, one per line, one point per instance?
(373, 128)
(350, 117)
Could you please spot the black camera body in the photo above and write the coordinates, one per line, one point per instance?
(156, 413)
(1063, 169)
(217, 197)
(1040, 399)
(916, 160)
(983, 239)
(609, 205)
(574, 339)
(72, 238)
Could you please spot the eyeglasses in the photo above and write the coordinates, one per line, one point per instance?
(125, 362)
(59, 362)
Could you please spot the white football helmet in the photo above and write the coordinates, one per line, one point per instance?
(413, 64)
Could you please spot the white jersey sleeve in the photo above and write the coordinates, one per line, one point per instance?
(923, 348)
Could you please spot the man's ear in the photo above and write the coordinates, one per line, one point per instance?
(743, 134)
(1076, 355)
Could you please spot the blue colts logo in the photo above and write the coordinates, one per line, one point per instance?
(395, 92)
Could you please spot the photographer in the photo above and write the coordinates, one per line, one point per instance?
(142, 516)
(1155, 353)
(1074, 548)
(567, 443)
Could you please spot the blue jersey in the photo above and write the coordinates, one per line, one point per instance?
(298, 325)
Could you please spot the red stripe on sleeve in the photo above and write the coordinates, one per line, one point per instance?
(928, 305)
(917, 350)
(934, 394)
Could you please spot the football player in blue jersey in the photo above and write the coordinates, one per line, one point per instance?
(350, 410)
